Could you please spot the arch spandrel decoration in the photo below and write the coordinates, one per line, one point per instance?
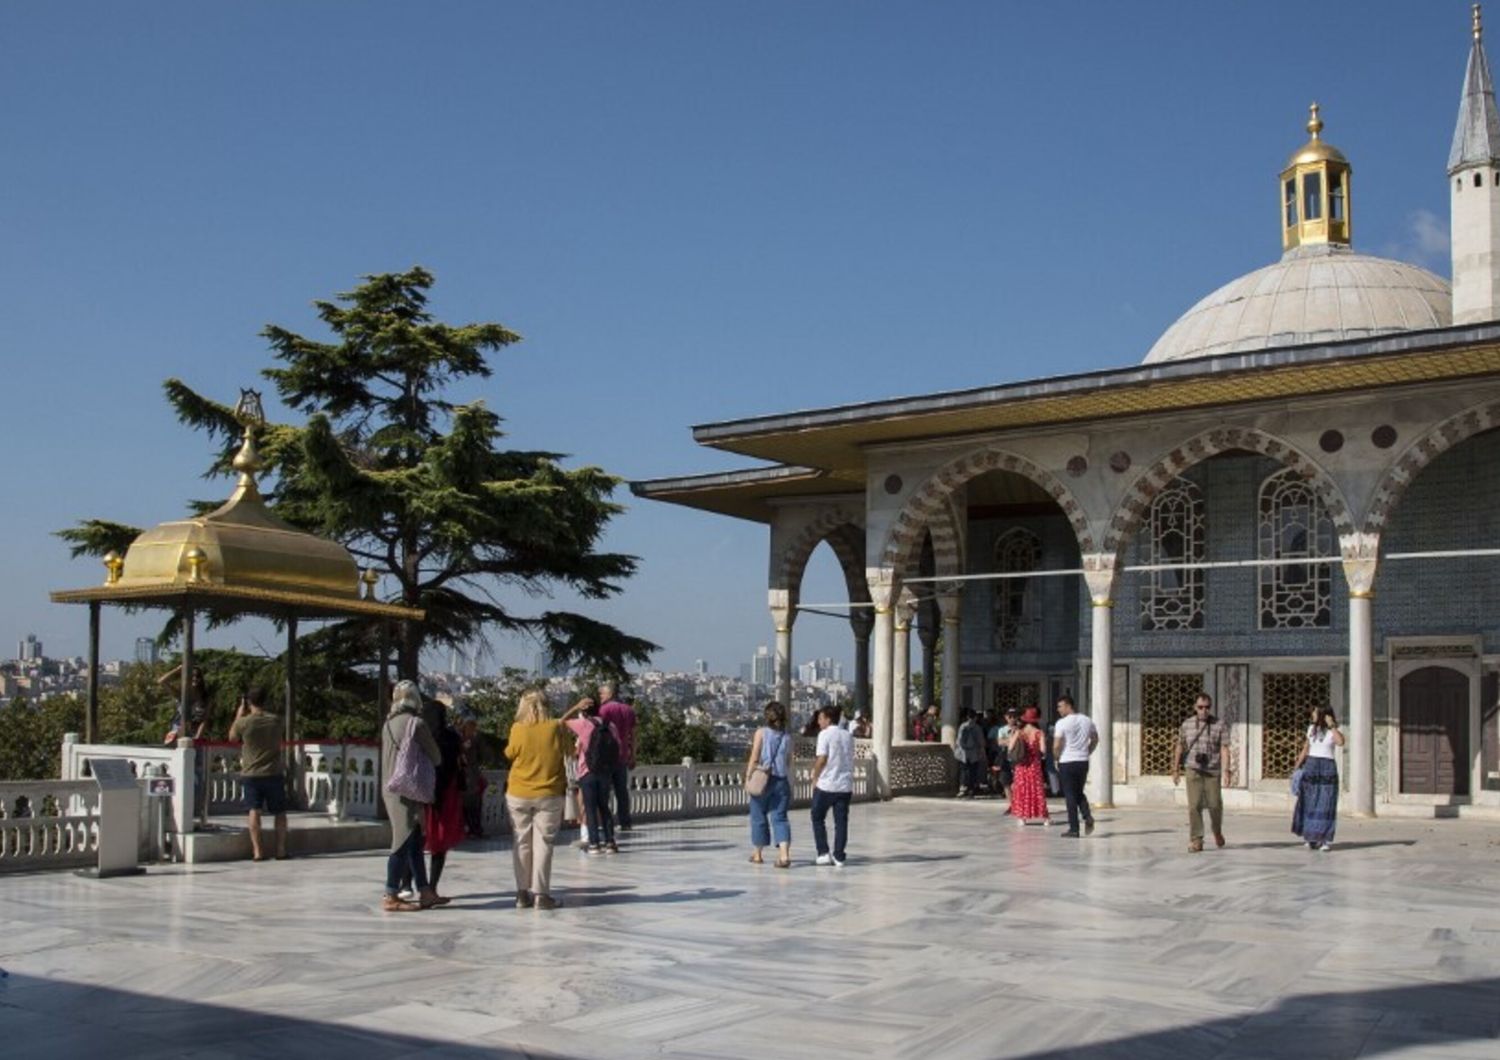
(931, 506)
(1136, 506)
(843, 529)
(1416, 458)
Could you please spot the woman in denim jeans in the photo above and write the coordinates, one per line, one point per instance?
(772, 749)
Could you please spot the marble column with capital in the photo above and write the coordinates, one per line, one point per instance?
(949, 607)
(783, 614)
(905, 611)
(882, 592)
(1099, 574)
(929, 622)
(1360, 563)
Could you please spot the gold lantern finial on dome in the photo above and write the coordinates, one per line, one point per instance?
(371, 579)
(1315, 192)
(113, 565)
(249, 414)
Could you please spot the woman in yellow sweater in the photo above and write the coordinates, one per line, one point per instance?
(534, 795)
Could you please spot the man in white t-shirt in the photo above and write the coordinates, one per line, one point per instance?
(1073, 740)
(833, 786)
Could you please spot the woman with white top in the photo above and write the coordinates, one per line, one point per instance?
(1317, 809)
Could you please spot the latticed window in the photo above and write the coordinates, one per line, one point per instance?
(1017, 551)
(1173, 598)
(1293, 526)
(1286, 700)
(1015, 695)
(1166, 700)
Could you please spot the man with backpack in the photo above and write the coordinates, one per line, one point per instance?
(617, 712)
(970, 752)
(598, 755)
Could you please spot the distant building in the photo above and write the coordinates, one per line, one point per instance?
(763, 668)
(702, 667)
(146, 650)
(30, 649)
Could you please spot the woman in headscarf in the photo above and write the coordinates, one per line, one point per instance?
(402, 723)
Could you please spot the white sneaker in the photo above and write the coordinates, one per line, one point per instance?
(838, 863)
(823, 859)
(408, 895)
(1326, 847)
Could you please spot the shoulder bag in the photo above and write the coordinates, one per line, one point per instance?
(413, 775)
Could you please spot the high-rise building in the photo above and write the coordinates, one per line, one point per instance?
(702, 667)
(30, 649)
(145, 650)
(763, 668)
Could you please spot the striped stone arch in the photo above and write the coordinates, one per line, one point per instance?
(1133, 509)
(843, 529)
(931, 509)
(1416, 457)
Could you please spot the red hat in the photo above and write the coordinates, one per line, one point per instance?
(1031, 716)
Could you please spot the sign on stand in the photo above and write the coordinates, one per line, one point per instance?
(119, 819)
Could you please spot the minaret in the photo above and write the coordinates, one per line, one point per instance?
(1315, 194)
(1474, 172)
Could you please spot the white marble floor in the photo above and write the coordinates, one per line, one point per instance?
(952, 933)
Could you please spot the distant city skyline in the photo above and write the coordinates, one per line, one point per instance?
(690, 212)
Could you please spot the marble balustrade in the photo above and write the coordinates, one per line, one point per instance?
(48, 824)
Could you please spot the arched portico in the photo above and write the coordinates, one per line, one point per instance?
(1419, 455)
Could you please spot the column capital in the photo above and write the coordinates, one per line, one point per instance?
(1361, 553)
(783, 603)
(883, 587)
(1099, 574)
(950, 604)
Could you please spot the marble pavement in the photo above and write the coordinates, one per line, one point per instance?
(952, 933)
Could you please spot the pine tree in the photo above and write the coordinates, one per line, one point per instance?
(418, 488)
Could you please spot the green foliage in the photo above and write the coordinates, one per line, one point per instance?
(665, 737)
(31, 736)
(418, 487)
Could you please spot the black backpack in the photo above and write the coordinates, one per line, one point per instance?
(603, 752)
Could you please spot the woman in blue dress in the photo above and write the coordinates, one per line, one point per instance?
(771, 750)
(1317, 809)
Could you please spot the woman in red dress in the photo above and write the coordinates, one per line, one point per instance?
(444, 822)
(1028, 795)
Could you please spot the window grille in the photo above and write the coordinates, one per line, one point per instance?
(1285, 702)
(1166, 700)
(1173, 599)
(1294, 525)
(1017, 551)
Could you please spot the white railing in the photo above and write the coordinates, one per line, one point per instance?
(47, 824)
(145, 762)
(659, 793)
(340, 779)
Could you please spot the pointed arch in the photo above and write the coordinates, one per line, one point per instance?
(1133, 509)
(1418, 456)
(932, 506)
(843, 528)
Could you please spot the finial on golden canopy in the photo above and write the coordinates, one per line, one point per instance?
(1314, 123)
(1478, 23)
(248, 412)
(197, 559)
(113, 565)
(370, 578)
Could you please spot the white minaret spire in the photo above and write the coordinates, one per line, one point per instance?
(1474, 191)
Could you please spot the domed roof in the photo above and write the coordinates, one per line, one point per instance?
(1318, 293)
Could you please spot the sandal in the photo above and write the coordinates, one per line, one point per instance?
(392, 904)
(756, 859)
(783, 863)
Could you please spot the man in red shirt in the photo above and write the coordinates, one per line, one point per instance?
(620, 716)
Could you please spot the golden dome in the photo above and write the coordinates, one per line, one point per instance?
(1315, 150)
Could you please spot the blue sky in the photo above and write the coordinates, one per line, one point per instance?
(691, 211)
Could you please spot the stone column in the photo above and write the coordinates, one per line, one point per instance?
(881, 592)
(783, 614)
(1099, 574)
(862, 620)
(949, 605)
(928, 624)
(1360, 552)
(906, 609)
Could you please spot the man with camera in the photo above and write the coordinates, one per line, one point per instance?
(1202, 747)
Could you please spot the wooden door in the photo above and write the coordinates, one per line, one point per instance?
(1435, 732)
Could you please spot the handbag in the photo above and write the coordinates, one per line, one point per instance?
(413, 776)
(755, 783)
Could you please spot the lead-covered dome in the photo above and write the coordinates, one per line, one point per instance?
(1318, 293)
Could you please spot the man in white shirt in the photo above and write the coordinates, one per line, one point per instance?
(833, 786)
(1073, 740)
